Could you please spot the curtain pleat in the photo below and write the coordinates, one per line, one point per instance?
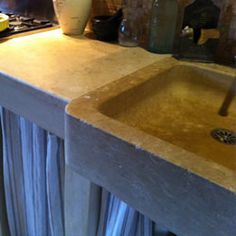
(33, 161)
(3, 215)
(33, 175)
(55, 171)
(119, 219)
(13, 175)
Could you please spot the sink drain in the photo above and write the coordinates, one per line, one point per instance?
(224, 136)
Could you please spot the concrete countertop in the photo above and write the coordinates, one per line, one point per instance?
(68, 67)
(46, 70)
(41, 73)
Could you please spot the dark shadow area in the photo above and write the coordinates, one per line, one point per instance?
(42, 9)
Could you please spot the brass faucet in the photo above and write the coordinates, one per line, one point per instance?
(207, 34)
(229, 96)
(200, 36)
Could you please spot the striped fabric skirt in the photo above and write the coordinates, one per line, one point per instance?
(33, 163)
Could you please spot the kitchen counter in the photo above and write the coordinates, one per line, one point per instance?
(45, 71)
(41, 73)
(67, 67)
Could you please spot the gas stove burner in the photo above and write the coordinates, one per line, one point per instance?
(15, 23)
(20, 28)
(19, 24)
(25, 19)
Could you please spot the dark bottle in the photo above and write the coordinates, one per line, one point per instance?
(226, 50)
(162, 26)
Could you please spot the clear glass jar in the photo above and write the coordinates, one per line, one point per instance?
(129, 31)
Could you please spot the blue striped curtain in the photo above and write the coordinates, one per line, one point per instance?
(33, 161)
(3, 216)
(117, 218)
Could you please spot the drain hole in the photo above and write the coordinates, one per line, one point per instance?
(224, 136)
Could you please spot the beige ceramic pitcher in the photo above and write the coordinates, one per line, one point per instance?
(72, 15)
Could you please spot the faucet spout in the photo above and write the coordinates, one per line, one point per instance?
(228, 99)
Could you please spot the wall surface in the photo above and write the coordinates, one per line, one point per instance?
(109, 7)
(44, 9)
(106, 7)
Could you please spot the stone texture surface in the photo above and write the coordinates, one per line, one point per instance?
(68, 67)
(92, 111)
(41, 73)
(184, 191)
(36, 105)
(181, 106)
(172, 196)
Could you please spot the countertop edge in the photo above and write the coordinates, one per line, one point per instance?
(45, 109)
(171, 188)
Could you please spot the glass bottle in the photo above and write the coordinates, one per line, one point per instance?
(129, 31)
(162, 26)
(226, 50)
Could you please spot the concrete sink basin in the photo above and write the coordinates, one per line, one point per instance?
(181, 106)
(147, 138)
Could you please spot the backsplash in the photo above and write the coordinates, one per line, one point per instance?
(226, 48)
(105, 7)
(109, 7)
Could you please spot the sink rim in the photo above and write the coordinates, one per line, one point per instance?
(91, 114)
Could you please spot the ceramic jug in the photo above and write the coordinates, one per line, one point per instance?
(72, 15)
